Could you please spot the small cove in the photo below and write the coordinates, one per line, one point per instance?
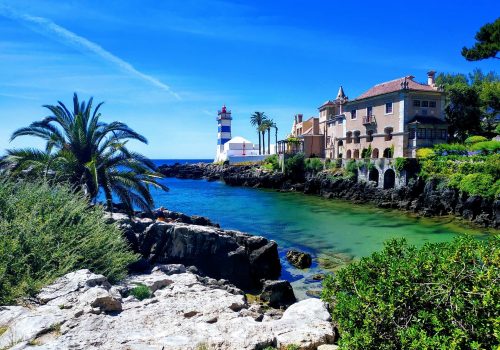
(334, 231)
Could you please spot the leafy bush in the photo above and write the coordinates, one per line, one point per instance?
(442, 296)
(479, 184)
(141, 292)
(474, 139)
(486, 147)
(400, 164)
(423, 153)
(294, 167)
(272, 163)
(313, 165)
(351, 168)
(444, 149)
(46, 232)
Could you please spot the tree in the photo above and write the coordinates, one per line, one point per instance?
(263, 129)
(486, 86)
(256, 120)
(267, 125)
(487, 43)
(88, 154)
(463, 111)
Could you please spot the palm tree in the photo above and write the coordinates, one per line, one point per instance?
(267, 125)
(88, 154)
(256, 120)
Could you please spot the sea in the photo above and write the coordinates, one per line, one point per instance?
(334, 232)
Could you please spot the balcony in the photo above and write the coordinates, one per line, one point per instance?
(369, 120)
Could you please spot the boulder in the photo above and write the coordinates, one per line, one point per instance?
(278, 293)
(242, 259)
(299, 259)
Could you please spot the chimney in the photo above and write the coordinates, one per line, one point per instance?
(430, 78)
(299, 117)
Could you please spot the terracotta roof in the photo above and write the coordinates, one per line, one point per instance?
(395, 85)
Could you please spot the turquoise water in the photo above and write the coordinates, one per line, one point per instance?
(336, 229)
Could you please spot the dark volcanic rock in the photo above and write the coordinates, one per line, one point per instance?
(243, 260)
(299, 259)
(278, 293)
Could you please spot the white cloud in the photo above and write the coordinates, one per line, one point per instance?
(70, 38)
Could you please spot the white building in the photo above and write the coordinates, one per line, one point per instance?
(236, 149)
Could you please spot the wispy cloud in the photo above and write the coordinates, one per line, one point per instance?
(48, 27)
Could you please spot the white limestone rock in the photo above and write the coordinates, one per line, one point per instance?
(184, 313)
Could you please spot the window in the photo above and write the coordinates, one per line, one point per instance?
(388, 108)
(357, 137)
(416, 103)
(348, 136)
(421, 133)
(369, 111)
(432, 104)
(369, 135)
(353, 114)
(425, 103)
(444, 134)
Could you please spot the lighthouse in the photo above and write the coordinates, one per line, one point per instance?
(224, 133)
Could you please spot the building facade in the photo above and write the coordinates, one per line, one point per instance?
(310, 134)
(391, 119)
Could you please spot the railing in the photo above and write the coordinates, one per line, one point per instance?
(369, 119)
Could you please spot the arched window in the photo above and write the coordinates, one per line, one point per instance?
(369, 136)
(357, 134)
(375, 153)
(389, 179)
(388, 133)
(387, 153)
(348, 154)
(373, 175)
(356, 154)
(348, 136)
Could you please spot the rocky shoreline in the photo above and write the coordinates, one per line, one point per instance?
(419, 197)
(195, 277)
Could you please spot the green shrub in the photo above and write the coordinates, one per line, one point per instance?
(272, 163)
(141, 292)
(478, 184)
(445, 149)
(294, 167)
(423, 153)
(400, 164)
(46, 232)
(442, 296)
(313, 165)
(474, 139)
(486, 147)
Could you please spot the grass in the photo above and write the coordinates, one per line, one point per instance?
(141, 292)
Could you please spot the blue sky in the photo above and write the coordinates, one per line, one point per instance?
(166, 67)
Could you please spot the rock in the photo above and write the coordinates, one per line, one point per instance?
(277, 293)
(185, 314)
(103, 300)
(171, 269)
(299, 259)
(328, 347)
(242, 259)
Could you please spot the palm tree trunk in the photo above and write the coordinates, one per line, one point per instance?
(258, 134)
(269, 141)
(264, 142)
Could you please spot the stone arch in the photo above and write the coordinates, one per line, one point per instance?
(389, 179)
(356, 154)
(348, 154)
(375, 153)
(387, 153)
(373, 175)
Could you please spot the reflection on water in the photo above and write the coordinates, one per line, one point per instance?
(319, 226)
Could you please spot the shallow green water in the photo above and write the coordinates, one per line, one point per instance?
(309, 223)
